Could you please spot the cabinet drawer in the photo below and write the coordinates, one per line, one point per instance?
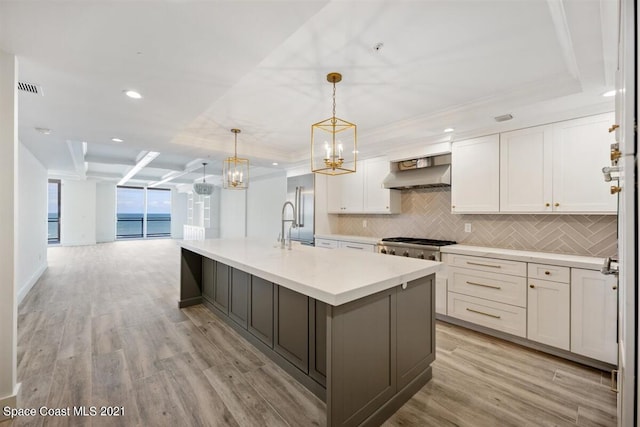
(491, 286)
(493, 265)
(357, 246)
(329, 244)
(553, 273)
(502, 317)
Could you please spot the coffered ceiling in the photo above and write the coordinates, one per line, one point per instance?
(205, 67)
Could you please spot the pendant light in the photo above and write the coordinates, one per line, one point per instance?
(203, 188)
(235, 170)
(333, 141)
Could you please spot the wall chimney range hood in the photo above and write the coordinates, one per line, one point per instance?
(424, 172)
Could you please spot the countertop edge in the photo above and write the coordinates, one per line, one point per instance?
(348, 238)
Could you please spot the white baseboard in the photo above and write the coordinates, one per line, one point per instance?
(26, 287)
(10, 401)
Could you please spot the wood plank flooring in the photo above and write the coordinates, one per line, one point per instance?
(102, 327)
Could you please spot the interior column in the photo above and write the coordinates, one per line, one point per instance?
(8, 185)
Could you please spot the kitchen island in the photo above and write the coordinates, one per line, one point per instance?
(357, 329)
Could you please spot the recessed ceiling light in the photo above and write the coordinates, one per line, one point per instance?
(447, 130)
(45, 131)
(133, 94)
(609, 93)
(117, 139)
(274, 163)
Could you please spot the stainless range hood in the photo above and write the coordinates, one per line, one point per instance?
(425, 172)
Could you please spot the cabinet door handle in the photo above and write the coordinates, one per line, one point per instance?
(532, 286)
(548, 273)
(483, 285)
(613, 127)
(614, 380)
(483, 313)
(547, 204)
(556, 204)
(483, 265)
(615, 189)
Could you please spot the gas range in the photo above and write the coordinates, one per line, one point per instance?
(413, 247)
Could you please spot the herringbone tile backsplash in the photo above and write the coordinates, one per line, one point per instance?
(427, 213)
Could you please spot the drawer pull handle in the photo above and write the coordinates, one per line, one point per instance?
(353, 247)
(483, 285)
(481, 312)
(483, 265)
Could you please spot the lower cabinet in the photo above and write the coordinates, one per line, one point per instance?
(260, 322)
(594, 311)
(239, 297)
(221, 289)
(208, 279)
(548, 313)
(568, 308)
(292, 327)
(415, 348)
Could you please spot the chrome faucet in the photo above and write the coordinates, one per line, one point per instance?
(293, 222)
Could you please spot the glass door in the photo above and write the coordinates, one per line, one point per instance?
(130, 212)
(158, 212)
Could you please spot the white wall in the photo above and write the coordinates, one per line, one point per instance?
(78, 213)
(105, 212)
(178, 214)
(31, 230)
(264, 206)
(233, 213)
(8, 188)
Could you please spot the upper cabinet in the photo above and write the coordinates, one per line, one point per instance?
(581, 148)
(525, 170)
(362, 192)
(554, 168)
(475, 175)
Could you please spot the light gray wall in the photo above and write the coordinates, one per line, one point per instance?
(78, 213)
(233, 213)
(31, 230)
(8, 173)
(264, 206)
(105, 212)
(178, 214)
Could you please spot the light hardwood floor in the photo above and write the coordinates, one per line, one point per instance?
(102, 327)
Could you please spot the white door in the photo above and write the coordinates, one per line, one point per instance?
(475, 175)
(579, 149)
(525, 170)
(548, 313)
(594, 311)
(376, 197)
(353, 191)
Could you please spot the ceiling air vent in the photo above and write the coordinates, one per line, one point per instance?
(30, 87)
(503, 118)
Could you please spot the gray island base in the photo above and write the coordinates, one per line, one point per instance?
(365, 358)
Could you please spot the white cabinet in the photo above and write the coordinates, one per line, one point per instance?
(344, 192)
(378, 199)
(525, 170)
(326, 243)
(593, 315)
(581, 148)
(441, 294)
(362, 192)
(364, 247)
(557, 168)
(475, 175)
(548, 313)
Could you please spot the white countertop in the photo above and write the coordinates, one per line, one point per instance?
(575, 261)
(333, 276)
(347, 238)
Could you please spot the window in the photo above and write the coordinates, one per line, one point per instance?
(143, 212)
(158, 212)
(53, 214)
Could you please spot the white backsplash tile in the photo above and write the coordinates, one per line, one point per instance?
(427, 213)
